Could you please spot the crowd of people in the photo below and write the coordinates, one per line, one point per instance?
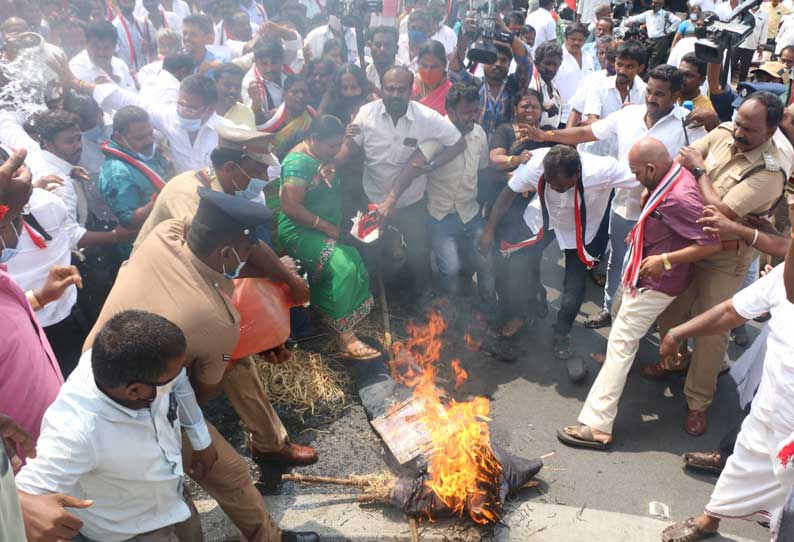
(154, 151)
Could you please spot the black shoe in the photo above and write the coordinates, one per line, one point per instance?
(561, 347)
(294, 536)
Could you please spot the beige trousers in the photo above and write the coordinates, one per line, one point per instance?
(229, 482)
(636, 315)
(251, 403)
(710, 286)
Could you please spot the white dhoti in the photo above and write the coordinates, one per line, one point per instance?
(636, 315)
(749, 487)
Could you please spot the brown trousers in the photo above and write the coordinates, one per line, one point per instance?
(715, 280)
(229, 482)
(252, 404)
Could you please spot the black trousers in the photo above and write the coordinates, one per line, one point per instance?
(403, 246)
(741, 62)
(518, 281)
(660, 50)
(575, 280)
(66, 339)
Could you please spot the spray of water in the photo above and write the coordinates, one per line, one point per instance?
(28, 78)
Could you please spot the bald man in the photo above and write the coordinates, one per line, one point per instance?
(662, 248)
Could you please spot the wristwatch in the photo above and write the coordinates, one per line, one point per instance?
(698, 172)
(666, 261)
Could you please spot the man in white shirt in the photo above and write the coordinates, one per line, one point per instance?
(606, 49)
(180, 8)
(315, 40)
(575, 66)
(626, 87)
(113, 438)
(98, 60)
(544, 24)
(574, 193)
(661, 25)
(454, 224)
(60, 138)
(390, 133)
(785, 36)
(383, 48)
(189, 127)
(137, 38)
(159, 17)
(267, 77)
(659, 118)
(743, 56)
(256, 12)
(164, 86)
(420, 28)
(757, 477)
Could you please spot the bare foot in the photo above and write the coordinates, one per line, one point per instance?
(354, 348)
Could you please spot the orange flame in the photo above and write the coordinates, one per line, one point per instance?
(471, 342)
(460, 373)
(463, 471)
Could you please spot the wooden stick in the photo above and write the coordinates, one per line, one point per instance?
(548, 455)
(384, 309)
(414, 529)
(310, 479)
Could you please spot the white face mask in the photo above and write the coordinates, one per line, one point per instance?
(236, 273)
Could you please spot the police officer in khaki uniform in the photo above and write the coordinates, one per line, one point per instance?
(184, 273)
(240, 165)
(742, 168)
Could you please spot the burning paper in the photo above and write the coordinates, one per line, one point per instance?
(463, 474)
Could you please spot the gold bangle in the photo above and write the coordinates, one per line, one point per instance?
(549, 133)
(35, 304)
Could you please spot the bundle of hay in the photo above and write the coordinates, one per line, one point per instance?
(306, 384)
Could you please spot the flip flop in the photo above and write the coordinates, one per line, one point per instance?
(582, 441)
(685, 531)
(344, 354)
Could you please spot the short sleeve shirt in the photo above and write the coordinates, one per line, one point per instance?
(736, 177)
(388, 147)
(165, 278)
(453, 187)
(772, 402)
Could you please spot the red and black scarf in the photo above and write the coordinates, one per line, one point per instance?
(635, 239)
(157, 182)
(580, 221)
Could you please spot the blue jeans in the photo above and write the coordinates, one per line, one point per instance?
(455, 242)
(619, 229)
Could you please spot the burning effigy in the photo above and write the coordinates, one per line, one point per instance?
(444, 444)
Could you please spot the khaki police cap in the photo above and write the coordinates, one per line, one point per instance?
(257, 146)
(777, 70)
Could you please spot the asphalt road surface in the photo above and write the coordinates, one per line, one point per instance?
(531, 399)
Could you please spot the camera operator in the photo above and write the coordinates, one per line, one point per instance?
(497, 87)
(661, 25)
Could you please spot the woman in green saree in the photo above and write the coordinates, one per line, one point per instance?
(308, 230)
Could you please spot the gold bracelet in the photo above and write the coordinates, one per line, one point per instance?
(33, 300)
(549, 133)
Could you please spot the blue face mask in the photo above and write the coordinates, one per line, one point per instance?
(254, 188)
(417, 37)
(189, 125)
(236, 273)
(95, 134)
(150, 155)
(140, 154)
(8, 253)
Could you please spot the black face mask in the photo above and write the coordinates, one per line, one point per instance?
(701, 32)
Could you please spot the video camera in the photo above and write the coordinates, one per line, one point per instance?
(722, 36)
(486, 32)
(353, 13)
